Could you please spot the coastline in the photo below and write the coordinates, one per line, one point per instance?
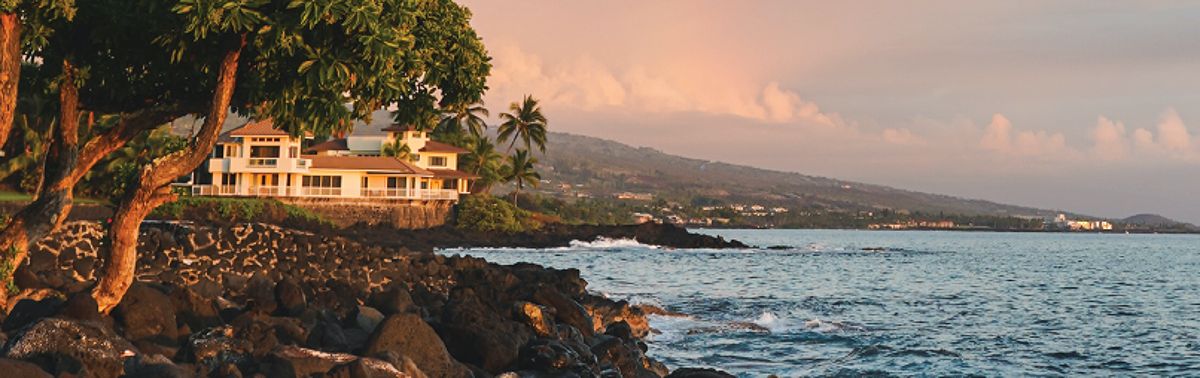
(261, 299)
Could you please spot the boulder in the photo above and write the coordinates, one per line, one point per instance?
(367, 318)
(215, 348)
(197, 312)
(394, 300)
(28, 311)
(374, 368)
(290, 297)
(81, 306)
(536, 317)
(478, 335)
(18, 368)
(62, 346)
(408, 335)
(145, 313)
(155, 366)
(293, 361)
(568, 310)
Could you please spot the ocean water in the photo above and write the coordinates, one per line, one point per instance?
(908, 303)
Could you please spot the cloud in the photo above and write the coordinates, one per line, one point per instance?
(1109, 140)
(586, 84)
(1000, 136)
(900, 136)
(1172, 133)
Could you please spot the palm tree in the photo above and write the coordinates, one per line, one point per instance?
(460, 120)
(397, 149)
(483, 161)
(525, 122)
(520, 169)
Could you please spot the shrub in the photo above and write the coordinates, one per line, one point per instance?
(484, 213)
(225, 211)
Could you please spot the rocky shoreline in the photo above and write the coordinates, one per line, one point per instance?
(549, 236)
(261, 300)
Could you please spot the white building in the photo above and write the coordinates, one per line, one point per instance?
(258, 160)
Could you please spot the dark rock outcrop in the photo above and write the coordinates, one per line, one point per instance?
(260, 300)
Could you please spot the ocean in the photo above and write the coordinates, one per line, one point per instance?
(908, 302)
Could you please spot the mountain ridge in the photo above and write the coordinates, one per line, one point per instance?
(602, 167)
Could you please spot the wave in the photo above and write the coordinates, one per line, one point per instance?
(610, 243)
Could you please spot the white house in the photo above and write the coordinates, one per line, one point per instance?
(258, 160)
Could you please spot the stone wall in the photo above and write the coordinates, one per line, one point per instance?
(404, 214)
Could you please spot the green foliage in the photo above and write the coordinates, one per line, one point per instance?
(111, 177)
(580, 210)
(484, 213)
(397, 149)
(483, 161)
(462, 124)
(218, 210)
(524, 122)
(520, 170)
(7, 268)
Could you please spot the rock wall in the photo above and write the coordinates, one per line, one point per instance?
(402, 214)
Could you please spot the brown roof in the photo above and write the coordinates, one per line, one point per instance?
(398, 127)
(451, 173)
(338, 144)
(434, 146)
(366, 163)
(254, 128)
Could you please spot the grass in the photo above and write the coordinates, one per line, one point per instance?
(10, 196)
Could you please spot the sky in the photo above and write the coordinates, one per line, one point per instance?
(1088, 106)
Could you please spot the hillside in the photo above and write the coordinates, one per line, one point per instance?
(586, 166)
(1153, 220)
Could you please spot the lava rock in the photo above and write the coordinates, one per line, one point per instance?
(290, 297)
(27, 311)
(535, 317)
(293, 361)
(62, 346)
(568, 311)
(194, 310)
(367, 318)
(408, 335)
(145, 313)
(18, 368)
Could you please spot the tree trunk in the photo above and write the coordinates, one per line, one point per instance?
(54, 198)
(153, 189)
(10, 71)
(65, 165)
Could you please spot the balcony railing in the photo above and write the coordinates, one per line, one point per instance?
(281, 191)
(262, 162)
(385, 193)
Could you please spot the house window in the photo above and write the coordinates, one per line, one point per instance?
(364, 183)
(264, 151)
(294, 152)
(322, 181)
(394, 182)
(437, 161)
(231, 150)
(228, 180)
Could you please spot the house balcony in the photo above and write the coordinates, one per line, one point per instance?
(259, 165)
(313, 192)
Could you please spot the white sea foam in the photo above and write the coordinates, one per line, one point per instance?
(609, 243)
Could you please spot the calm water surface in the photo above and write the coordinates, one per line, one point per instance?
(926, 303)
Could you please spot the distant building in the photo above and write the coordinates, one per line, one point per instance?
(1062, 222)
(634, 196)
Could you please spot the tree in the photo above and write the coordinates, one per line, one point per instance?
(306, 62)
(520, 170)
(397, 149)
(524, 121)
(483, 161)
(460, 124)
(23, 30)
(298, 63)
